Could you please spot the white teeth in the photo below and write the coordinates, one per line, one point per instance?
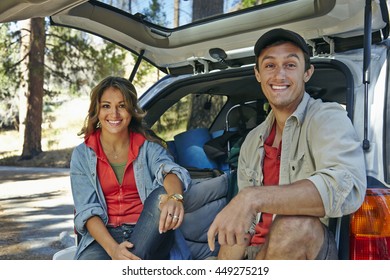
(114, 122)
(279, 87)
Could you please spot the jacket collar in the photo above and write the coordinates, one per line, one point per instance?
(136, 141)
(298, 115)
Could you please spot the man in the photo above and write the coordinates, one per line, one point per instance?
(306, 157)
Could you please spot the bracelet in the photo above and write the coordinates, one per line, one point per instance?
(177, 197)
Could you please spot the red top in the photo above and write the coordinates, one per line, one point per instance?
(124, 205)
(271, 169)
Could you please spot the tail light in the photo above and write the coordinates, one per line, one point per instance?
(370, 227)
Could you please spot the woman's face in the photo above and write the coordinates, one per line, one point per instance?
(113, 115)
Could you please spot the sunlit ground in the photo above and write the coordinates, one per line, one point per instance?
(36, 209)
(59, 134)
(33, 214)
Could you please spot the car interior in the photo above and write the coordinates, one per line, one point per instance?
(243, 99)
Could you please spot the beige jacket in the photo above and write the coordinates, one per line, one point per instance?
(319, 143)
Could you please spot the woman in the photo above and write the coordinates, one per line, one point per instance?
(126, 188)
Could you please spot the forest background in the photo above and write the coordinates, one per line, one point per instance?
(47, 72)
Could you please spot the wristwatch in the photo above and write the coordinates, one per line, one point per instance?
(177, 197)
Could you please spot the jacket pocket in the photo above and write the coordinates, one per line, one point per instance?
(298, 168)
(252, 176)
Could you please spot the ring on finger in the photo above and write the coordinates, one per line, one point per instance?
(175, 217)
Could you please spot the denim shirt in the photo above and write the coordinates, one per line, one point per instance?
(319, 143)
(152, 162)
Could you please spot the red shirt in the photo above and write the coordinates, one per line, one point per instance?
(271, 169)
(124, 205)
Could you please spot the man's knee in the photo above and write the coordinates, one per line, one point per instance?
(235, 252)
(294, 237)
(297, 226)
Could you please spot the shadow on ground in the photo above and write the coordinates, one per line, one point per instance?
(32, 223)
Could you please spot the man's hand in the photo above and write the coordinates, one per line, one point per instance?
(233, 222)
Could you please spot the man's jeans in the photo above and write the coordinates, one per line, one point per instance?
(148, 243)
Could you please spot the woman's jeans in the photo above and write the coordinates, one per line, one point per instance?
(148, 243)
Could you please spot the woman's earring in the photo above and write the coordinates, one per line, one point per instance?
(98, 125)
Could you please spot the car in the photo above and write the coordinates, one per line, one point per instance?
(209, 97)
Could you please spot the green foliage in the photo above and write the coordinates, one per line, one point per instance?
(10, 77)
(155, 13)
(174, 120)
(70, 60)
(74, 62)
(143, 71)
(110, 61)
(76, 59)
(250, 3)
(178, 117)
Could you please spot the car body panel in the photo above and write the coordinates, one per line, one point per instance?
(175, 49)
(182, 49)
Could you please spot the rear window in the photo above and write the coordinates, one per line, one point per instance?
(178, 13)
(191, 111)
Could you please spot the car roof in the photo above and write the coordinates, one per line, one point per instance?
(327, 25)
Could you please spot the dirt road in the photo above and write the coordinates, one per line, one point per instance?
(36, 212)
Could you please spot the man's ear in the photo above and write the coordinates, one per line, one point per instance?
(257, 74)
(308, 73)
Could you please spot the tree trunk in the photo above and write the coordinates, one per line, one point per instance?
(202, 9)
(33, 123)
(176, 13)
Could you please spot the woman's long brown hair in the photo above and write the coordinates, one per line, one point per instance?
(129, 92)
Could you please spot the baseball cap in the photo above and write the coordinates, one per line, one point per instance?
(280, 34)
